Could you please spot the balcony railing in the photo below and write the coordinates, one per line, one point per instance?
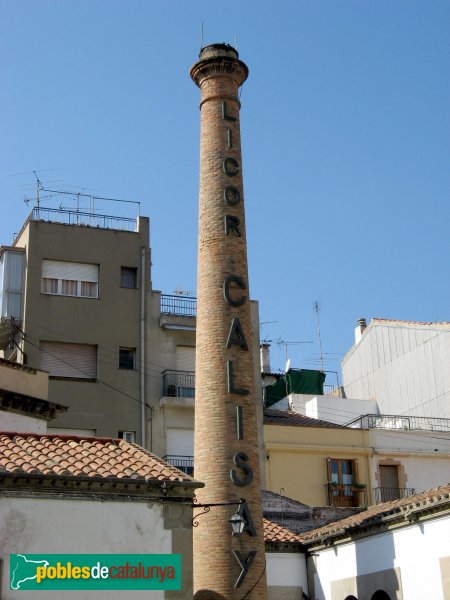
(179, 384)
(184, 463)
(86, 219)
(387, 494)
(345, 495)
(183, 306)
(401, 422)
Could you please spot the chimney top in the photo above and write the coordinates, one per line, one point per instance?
(360, 327)
(218, 50)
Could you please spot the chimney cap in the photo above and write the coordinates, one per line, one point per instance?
(218, 50)
(362, 321)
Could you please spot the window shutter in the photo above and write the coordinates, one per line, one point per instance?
(185, 356)
(180, 442)
(56, 269)
(68, 360)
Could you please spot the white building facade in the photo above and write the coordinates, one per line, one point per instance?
(403, 366)
(398, 552)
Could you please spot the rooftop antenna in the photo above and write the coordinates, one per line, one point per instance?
(316, 307)
(285, 343)
(28, 200)
(201, 41)
(235, 42)
(180, 292)
(38, 189)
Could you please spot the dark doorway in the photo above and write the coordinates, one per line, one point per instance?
(380, 595)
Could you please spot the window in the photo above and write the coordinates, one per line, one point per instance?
(128, 436)
(128, 277)
(341, 471)
(127, 358)
(12, 266)
(180, 449)
(72, 431)
(69, 279)
(74, 361)
(341, 483)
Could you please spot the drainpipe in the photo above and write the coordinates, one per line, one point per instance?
(142, 377)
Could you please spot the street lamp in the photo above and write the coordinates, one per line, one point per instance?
(237, 521)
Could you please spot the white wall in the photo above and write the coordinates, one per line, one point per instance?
(39, 526)
(403, 367)
(21, 423)
(286, 569)
(415, 549)
(422, 442)
(337, 409)
(297, 402)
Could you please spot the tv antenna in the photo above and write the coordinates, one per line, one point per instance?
(180, 292)
(286, 343)
(316, 307)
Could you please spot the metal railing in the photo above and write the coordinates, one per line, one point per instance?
(183, 306)
(387, 494)
(346, 495)
(85, 219)
(179, 384)
(400, 422)
(184, 463)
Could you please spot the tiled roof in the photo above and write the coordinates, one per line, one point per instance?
(380, 320)
(289, 417)
(277, 533)
(402, 509)
(65, 455)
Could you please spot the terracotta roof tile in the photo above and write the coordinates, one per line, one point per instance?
(376, 513)
(78, 456)
(276, 533)
(289, 417)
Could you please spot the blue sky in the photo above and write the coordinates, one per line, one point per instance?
(345, 128)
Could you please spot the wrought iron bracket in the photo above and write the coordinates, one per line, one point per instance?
(207, 507)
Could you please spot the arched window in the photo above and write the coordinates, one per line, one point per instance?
(380, 595)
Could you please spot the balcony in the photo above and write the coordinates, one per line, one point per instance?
(182, 306)
(401, 423)
(178, 312)
(84, 219)
(184, 463)
(387, 494)
(346, 495)
(179, 384)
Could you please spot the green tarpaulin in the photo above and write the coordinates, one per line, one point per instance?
(295, 381)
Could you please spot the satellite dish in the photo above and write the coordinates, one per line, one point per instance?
(288, 365)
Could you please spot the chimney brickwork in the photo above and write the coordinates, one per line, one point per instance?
(226, 435)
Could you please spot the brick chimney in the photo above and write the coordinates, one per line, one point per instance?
(226, 435)
(265, 357)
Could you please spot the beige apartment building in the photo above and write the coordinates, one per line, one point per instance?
(76, 300)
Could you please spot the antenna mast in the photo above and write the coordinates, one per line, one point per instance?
(38, 189)
(316, 307)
